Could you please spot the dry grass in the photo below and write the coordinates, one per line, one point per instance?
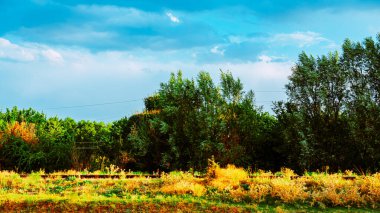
(230, 184)
(182, 183)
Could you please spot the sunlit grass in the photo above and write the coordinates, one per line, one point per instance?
(228, 187)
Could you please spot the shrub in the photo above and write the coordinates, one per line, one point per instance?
(227, 178)
(23, 130)
(288, 191)
(182, 183)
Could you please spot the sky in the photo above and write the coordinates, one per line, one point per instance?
(97, 60)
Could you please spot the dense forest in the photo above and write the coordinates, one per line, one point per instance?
(330, 120)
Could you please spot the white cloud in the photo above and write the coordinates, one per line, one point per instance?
(122, 75)
(80, 64)
(114, 15)
(240, 39)
(172, 17)
(265, 58)
(27, 52)
(217, 50)
(256, 72)
(8, 50)
(302, 39)
(237, 39)
(5, 42)
(52, 55)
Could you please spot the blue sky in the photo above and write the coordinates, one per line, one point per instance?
(97, 60)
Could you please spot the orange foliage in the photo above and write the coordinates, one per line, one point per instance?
(23, 130)
(150, 112)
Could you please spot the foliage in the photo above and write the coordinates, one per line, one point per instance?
(329, 120)
(23, 130)
(332, 113)
(197, 119)
(29, 141)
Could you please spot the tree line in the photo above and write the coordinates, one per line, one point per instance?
(332, 115)
(329, 120)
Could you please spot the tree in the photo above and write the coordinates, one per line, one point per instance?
(194, 120)
(332, 111)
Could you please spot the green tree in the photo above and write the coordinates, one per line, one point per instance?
(197, 120)
(332, 112)
(363, 110)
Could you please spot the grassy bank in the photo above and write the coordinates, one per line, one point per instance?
(228, 189)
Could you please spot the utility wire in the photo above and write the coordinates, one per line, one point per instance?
(265, 101)
(134, 100)
(92, 105)
(268, 91)
(112, 103)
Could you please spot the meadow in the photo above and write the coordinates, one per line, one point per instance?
(229, 189)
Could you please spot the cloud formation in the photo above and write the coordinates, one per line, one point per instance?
(27, 52)
(217, 50)
(172, 17)
(112, 15)
(104, 51)
(300, 38)
(82, 76)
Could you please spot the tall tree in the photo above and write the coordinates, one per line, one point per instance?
(332, 113)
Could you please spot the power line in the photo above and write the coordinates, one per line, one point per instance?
(116, 102)
(92, 105)
(268, 91)
(264, 101)
(133, 100)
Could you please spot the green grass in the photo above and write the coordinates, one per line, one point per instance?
(138, 203)
(36, 194)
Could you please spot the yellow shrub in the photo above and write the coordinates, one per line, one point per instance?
(177, 176)
(288, 190)
(9, 179)
(351, 195)
(238, 194)
(370, 188)
(334, 190)
(23, 130)
(228, 178)
(259, 191)
(182, 183)
(262, 173)
(287, 173)
(184, 187)
(232, 173)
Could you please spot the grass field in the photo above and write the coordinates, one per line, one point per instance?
(222, 190)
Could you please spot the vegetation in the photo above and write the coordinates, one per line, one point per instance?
(223, 190)
(328, 123)
(183, 125)
(330, 120)
(332, 114)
